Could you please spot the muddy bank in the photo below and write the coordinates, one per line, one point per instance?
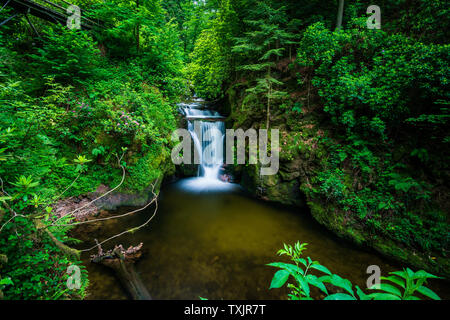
(98, 202)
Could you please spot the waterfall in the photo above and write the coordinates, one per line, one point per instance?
(208, 136)
(207, 129)
(211, 148)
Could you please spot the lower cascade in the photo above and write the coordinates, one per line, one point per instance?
(207, 130)
(209, 145)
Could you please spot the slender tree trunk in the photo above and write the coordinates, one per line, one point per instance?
(340, 14)
(277, 47)
(268, 107)
(268, 100)
(137, 30)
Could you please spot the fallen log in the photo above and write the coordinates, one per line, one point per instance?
(122, 262)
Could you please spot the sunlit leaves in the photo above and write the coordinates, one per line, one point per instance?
(321, 268)
(383, 296)
(387, 288)
(279, 279)
(287, 266)
(428, 292)
(407, 281)
(339, 296)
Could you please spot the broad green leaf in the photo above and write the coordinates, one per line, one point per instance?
(324, 278)
(386, 287)
(396, 280)
(423, 274)
(303, 283)
(302, 261)
(279, 279)
(6, 281)
(361, 294)
(313, 280)
(306, 298)
(400, 274)
(412, 298)
(428, 292)
(321, 268)
(287, 266)
(384, 296)
(340, 296)
(342, 283)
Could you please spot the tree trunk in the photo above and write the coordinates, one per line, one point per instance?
(268, 107)
(340, 14)
(137, 30)
(122, 262)
(268, 101)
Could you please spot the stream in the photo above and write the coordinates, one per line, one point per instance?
(210, 239)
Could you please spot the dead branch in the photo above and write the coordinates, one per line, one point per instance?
(122, 262)
(155, 199)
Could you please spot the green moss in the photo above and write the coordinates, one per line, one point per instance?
(147, 169)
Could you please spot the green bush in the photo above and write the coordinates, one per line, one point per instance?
(68, 56)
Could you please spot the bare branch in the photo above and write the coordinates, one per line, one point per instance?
(98, 198)
(155, 200)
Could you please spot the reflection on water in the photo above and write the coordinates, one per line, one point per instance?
(217, 244)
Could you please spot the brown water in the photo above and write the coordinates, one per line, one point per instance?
(217, 244)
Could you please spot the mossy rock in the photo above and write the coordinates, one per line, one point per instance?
(272, 188)
(332, 219)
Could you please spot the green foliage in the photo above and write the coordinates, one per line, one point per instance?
(410, 282)
(301, 271)
(209, 67)
(265, 43)
(191, 17)
(73, 103)
(36, 269)
(383, 106)
(381, 96)
(68, 56)
(366, 98)
(143, 32)
(211, 59)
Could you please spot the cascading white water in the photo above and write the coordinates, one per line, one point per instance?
(208, 137)
(211, 148)
(207, 130)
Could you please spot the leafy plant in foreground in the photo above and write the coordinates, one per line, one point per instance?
(408, 281)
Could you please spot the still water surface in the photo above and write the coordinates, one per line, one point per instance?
(216, 244)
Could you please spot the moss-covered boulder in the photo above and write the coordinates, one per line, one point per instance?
(282, 187)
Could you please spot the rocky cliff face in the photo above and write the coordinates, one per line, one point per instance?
(283, 187)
